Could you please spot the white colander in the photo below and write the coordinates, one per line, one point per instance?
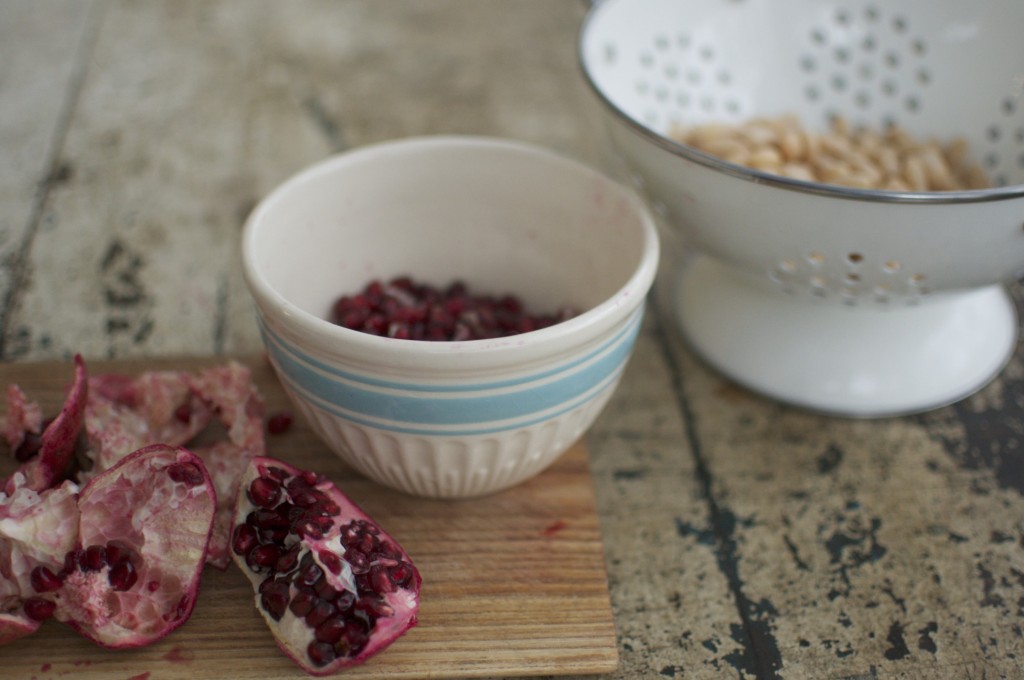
(847, 301)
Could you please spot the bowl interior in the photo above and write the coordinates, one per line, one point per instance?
(502, 217)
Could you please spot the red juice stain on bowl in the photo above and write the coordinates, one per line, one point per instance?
(405, 309)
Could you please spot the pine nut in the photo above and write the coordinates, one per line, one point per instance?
(889, 159)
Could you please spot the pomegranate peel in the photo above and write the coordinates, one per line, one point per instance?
(227, 390)
(332, 586)
(125, 414)
(56, 443)
(36, 530)
(24, 421)
(144, 526)
(175, 408)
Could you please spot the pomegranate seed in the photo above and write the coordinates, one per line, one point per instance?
(71, 561)
(303, 602)
(38, 609)
(330, 560)
(345, 600)
(265, 492)
(95, 558)
(263, 556)
(324, 589)
(275, 472)
(309, 575)
(306, 499)
(321, 611)
(274, 597)
(270, 519)
(380, 580)
(122, 575)
(373, 605)
(245, 539)
(288, 560)
(183, 413)
(330, 630)
(280, 422)
(357, 561)
(353, 638)
(185, 473)
(44, 580)
(401, 574)
(118, 552)
(321, 653)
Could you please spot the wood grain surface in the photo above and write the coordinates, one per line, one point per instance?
(743, 538)
(514, 584)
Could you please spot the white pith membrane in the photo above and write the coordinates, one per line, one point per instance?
(397, 609)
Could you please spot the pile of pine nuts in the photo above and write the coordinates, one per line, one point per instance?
(890, 160)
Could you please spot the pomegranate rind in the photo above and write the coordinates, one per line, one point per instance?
(125, 414)
(23, 416)
(57, 440)
(36, 529)
(174, 408)
(14, 626)
(167, 522)
(291, 633)
(229, 392)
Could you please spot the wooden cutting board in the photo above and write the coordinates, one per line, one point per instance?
(513, 584)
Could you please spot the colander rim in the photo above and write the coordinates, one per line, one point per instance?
(760, 177)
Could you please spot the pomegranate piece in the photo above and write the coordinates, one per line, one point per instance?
(47, 458)
(333, 587)
(24, 420)
(409, 310)
(125, 414)
(175, 408)
(143, 529)
(36, 530)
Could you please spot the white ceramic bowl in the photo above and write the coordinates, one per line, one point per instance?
(451, 419)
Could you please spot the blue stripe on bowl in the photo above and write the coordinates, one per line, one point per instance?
(491, 428)
(477, 403)
(630, 327)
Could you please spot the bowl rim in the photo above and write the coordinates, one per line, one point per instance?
(714, 163)
(333, 340)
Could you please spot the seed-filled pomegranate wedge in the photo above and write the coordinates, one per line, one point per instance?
(332, 586)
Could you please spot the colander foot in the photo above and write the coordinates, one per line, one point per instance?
(857, 361)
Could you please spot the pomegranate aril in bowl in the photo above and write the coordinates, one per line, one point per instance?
(450, 313)
(409, 310)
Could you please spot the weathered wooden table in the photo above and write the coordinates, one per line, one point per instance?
(743, 538)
